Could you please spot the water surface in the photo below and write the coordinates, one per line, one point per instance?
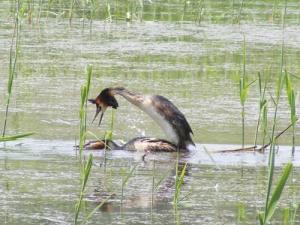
(166, 50)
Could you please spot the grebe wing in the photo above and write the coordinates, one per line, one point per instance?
(176, 118)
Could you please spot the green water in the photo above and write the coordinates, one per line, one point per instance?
(188, 51)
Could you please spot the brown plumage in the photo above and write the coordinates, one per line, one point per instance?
(141, 144)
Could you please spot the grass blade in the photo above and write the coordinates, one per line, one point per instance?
(278, 191)
(15, 137)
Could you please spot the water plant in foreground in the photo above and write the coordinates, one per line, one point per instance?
(180, 172)
(265, 217)
(179, 180)
(85, 167)
(271, 201)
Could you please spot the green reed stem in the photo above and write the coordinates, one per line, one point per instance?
(84, 175)
(240, 12)
(85, 168)
(125, 180)
(15, 137)
(178, 181)
(292, 104)
(262, 105)
(267, 215)
(13, 57)
(243, 91)
(86, 219)
(71, 12)
(241, 219)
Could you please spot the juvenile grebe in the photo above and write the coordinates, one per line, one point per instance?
(141, 144)
(160, 109)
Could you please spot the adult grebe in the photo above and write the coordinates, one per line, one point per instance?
(160, 109)
(141, 144)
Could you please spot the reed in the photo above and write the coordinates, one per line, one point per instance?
(179, 179)
(109, 133)
(108, 10)
(271, 201)
(85, 173)
(178, 183)
(265, 217)
(262, 107)
(200, 12)
(71, 11)
(184, 10)
(125, 179)
(13, 59)
(240, 12)
(241, 219)
(264, 124)
(292, 214)
(286, 216)
(292, 104)
(86, 219)
(85, 167)
(15, 137)
(244, 89)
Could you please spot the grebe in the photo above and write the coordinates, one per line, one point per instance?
(141, 144)
(160, 109)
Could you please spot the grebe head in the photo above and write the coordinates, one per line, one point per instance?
(104, 100)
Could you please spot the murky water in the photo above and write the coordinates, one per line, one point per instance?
(161, 51)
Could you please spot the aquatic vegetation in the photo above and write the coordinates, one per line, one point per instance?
(85, 167)
(292, 103)
(244, 89)
(12, 73)
(241, 214)
(271, 201)
(271, 205)
(125, 179)
(13, 59)
(262, 115)
(180, 171)
(14, 137)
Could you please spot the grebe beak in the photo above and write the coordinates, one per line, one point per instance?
(98, 110)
